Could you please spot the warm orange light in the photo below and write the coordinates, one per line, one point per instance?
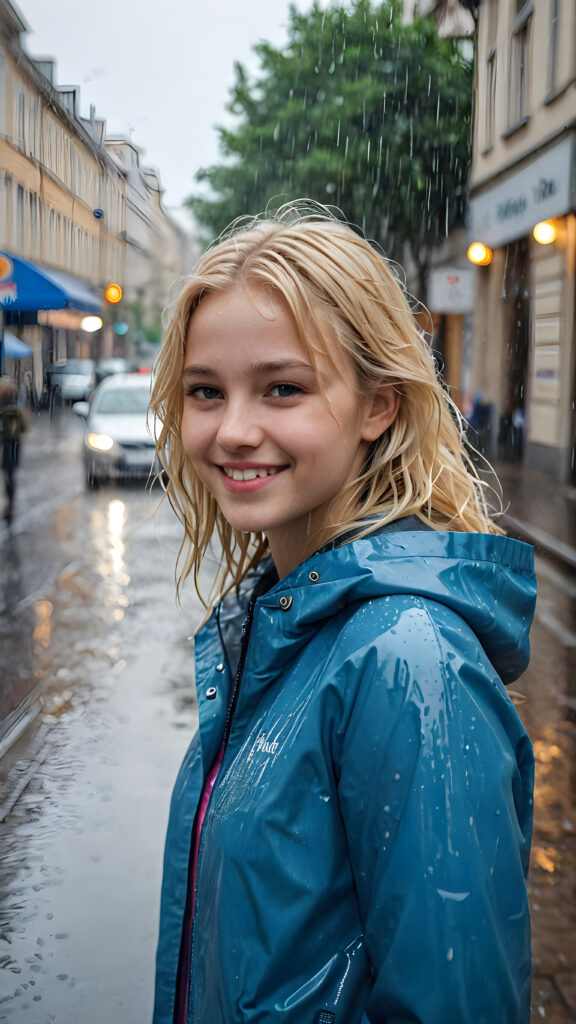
(545, 232)
(479, 254)
(91, 323)
(113, 293)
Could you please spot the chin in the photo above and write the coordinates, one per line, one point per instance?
(244, 525)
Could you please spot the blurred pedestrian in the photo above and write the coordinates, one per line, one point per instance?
(349, 833)
(12, 426)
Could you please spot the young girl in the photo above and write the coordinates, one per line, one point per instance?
(350, 829)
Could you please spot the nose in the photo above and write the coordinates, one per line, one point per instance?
(239, 426)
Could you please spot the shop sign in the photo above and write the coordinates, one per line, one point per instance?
(451, 290)
(537, 192)
(8, 289)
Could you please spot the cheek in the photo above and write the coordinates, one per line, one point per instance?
(184, 433)
(192, 435)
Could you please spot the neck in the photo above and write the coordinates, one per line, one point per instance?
(291, 545)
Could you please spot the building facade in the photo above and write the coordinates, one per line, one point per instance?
(79, 208)
(54, 177)
(522, 208)
(157, 251)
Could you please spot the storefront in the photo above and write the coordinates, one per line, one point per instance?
(28, 296)
(451, 303)
(524, 320)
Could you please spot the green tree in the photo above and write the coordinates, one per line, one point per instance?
(358, 111)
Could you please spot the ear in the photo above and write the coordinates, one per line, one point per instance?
(381, 411)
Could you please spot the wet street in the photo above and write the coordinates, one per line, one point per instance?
(549, 712)
(91, 629)
(88, 606)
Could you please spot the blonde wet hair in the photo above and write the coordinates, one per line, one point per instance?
(347, 302)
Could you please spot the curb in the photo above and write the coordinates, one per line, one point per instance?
(20, 764)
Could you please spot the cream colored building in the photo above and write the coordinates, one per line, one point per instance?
(158, 251)
(450, 289)
(524, 174)
(62, 205)
(80, 208)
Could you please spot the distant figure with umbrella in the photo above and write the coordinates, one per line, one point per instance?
(12, 426)
(15, 355)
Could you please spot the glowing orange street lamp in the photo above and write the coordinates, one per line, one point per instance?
(545, 232)
(113, 293)
(479, 254)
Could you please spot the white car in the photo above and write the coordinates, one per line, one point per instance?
(69, 381)
(117, 442)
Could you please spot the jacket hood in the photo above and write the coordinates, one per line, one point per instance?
(486, 579)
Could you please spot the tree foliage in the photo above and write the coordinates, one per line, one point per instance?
(358, 111)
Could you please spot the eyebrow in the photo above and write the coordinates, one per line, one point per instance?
(274, 366)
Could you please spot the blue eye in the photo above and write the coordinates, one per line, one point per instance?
(285, 390)
(203, 392)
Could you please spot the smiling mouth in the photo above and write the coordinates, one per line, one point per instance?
(250, 474)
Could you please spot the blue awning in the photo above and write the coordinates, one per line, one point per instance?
(15, 348)
(25, 286)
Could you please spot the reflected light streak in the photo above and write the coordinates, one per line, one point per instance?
(546, 753)
(544, 858)
(43, 629)
(116, 524)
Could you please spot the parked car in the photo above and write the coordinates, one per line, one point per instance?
(112, 364)
(117, 443)
(68, 381)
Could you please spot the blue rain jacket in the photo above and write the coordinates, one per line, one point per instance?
(364, 851)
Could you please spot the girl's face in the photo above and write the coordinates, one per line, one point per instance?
(274, 447)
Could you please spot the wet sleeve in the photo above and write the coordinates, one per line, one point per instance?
(436, 796)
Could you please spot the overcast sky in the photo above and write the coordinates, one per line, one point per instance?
(159, 72)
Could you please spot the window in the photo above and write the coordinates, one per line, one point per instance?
(70, 177)
(51, 246)
(20, 235)
(553, 47)
(20, 118)
(33, 224)
(3, 92)
(490, 98)
(60, 241)
(520, 64)
(490, 15)
(32, 126)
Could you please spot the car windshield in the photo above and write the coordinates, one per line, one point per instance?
(118, 365)
(122, 401)
(73, 366)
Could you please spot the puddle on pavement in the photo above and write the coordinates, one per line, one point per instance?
(111, 657)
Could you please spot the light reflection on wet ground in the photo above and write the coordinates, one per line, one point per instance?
(549, 712)
(90, 597)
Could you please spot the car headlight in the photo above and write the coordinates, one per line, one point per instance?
(100, 442)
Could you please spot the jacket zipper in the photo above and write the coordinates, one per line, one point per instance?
(244, 638)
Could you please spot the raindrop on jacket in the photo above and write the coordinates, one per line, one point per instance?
(363, 855)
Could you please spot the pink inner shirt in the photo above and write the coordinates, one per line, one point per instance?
(204, 801)
(183, 980)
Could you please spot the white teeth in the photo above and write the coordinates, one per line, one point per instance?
(248, 474)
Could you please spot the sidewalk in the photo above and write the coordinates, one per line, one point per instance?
(540, 510)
